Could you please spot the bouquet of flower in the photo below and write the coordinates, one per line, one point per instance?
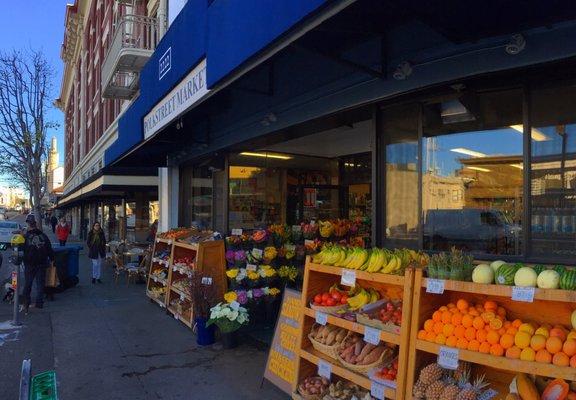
(288, 273)
(239, 258)
(310, 231)
(280, 233)
(229, 317)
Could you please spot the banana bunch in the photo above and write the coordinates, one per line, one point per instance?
(362, 298)
(357, 258)
(394, 264)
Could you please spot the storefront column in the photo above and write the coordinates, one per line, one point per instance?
(168, 193)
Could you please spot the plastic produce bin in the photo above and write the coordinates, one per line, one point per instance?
(43, 386)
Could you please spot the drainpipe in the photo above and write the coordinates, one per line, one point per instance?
(162, 17)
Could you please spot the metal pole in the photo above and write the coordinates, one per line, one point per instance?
(25, 380)
(16, 288)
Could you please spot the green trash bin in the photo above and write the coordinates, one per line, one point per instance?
(43, 387)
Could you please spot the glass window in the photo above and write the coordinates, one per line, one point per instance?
(553, 172)
(196, 197)
(472, 178)
(400, 136)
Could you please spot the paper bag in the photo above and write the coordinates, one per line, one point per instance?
(51, 276)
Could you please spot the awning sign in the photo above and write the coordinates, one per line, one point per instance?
(190, 90)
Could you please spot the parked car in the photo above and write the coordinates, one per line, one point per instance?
(469, 229)
(7, 230)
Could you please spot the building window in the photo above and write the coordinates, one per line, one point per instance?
(473, 144)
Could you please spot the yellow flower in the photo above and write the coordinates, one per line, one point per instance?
(232, 273)
(269, 273)
(253, 275)
(230, 297)
(274, 291)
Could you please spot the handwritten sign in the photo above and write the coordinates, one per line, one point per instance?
(372, 335)
(348, 278)
(448, 357)
(237, 232)
(321, 318)
(525, 294)
(206, 280)
(435, 286)
(377, 390)
(324, 369)
(281, 366)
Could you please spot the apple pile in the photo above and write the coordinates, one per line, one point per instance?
(333, 297)
(391, 312)
(389, 372)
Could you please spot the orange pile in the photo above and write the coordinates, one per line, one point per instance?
(484, 328)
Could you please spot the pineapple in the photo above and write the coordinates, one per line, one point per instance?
(471, 392)
(419, 391)
(434, 390)
(450, 392)
(463, 370)
(431, 373)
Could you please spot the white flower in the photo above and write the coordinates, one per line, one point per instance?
(266, 290)
(241, 318)
(235, 306)
(249, 294)
(233, 315)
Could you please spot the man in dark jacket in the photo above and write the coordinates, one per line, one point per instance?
(38, 254)
(53, 222)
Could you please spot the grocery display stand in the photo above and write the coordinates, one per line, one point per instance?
(549, 306)
(206, 257)
(317, 278)
(155, 284)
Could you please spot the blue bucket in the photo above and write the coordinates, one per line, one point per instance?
(204, 334)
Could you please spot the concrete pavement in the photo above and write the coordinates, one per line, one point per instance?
(110, 342)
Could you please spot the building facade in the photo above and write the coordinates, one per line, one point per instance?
(106, 44)
(444, 126)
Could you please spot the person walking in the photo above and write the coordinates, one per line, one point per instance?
(62, 231)
(53, 222)
(96, 250)
(38, 254)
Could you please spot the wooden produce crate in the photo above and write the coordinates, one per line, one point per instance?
(549, 307)
(318, 278)
(156, 264)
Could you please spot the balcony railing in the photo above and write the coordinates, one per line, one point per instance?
(134, 41)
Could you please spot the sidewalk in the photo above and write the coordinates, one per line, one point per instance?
(110, 342)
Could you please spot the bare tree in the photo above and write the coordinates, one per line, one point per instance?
(25, 97)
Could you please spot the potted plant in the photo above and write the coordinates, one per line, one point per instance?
(229, 317)
(203, 298)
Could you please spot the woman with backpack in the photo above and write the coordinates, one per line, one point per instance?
(96, 250)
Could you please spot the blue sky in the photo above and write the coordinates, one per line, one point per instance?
(37, 24)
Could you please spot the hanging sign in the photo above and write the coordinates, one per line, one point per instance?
(281, 366)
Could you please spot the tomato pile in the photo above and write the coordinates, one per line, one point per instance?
(388, 373)
(391, 312)
(333, 297)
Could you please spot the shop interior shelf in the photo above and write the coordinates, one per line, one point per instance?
(313, 356)
(362, 275)
(505, 364)
(566, 296)
(354, 327)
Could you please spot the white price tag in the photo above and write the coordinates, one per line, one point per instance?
(237, 232)
(182, 297)
(372, 335)
(176, 317)
(487, 395)
(448, 357)
(377, 390)
(435, 286)
(251, 267)
(296, 228)
(155, 279)
(169, 242)
(321, 318)
(525, 294)
(513, 386)
(348, 278)
(174, 268)
(324, 369)
(308, 242)
(158, 240)
(257, 253)
(313, 222)
(206, 280)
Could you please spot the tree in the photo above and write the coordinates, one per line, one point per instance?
(25, 97)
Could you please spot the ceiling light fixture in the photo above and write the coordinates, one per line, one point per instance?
(402, 71)
(468, 152)
(516, 44)
(479, 169)
(519, 166)
(265, 155)
(537, 136)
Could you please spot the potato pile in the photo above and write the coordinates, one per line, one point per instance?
(346, 391)
(329, 335)
(356, 351)
(313, 385)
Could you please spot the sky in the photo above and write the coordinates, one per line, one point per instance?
(37, 24)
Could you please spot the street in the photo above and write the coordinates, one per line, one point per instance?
(109, 341)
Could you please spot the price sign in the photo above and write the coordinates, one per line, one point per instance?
(321, 318)
(237, 232)
(157, 240)
(313, 222)
(448, 357)
(176, 317)
(308, 243)
(169, 242)
(251, 267)
(155, 279)
(372, 335)
(525, 294)
(324, 369)
(182, 297)
(377, 390)
(206, 280)
(296, 228)
(348, 278)
(487, 395)
(435, 286)
(257, 253)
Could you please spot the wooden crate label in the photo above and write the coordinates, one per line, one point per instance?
(321, 318)
(448, 357)
(435, 286)
(348, 278)
(525, 294)
(372, 335)
(324, 369)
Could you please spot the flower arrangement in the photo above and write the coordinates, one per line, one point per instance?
(229, 317)
(244, 296)
(288, 273)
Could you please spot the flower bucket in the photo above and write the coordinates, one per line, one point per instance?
(204, 334)
(230, 339)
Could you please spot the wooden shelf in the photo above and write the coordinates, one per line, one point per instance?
(503, 363)
(180, 318)
(165, 241)
(154, 299)
(311, 355)
(565, 296)
(189, 246)
(355, 327)
(159, 261)
(181, 293)
(158, 280)
(361, 275)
